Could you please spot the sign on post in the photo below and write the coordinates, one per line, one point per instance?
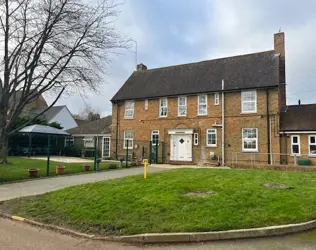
(145, 161)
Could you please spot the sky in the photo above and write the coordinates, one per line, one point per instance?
(170, 32)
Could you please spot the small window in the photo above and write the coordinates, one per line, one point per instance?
(295, 145)
(202, 105)
(88, 142)
(211, 139)
(129, 110)
(163, 107)
(146, 104)
(312, 145)
(250, 140)
(196, 139)
(249, 101)
(128, 139)
(182, 106)
(216, 98)
(155, 137)
(69, 141)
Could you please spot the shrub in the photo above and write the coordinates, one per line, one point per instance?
(113, 166)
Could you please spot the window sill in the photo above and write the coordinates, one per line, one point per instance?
(250, 151)
(202, 115)
(163, 117)
(299, 155)
(246, 113)
(128, 118)
(211, 146)
(311, 155)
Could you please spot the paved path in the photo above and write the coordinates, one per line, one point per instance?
(27, 188)
(20, 236)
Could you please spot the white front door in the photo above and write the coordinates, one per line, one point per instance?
(181, 147)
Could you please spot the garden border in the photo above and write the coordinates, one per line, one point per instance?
(180, 237)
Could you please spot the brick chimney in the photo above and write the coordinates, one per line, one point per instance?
(141, 67)
(279, 47)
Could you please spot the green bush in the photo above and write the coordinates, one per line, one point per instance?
(113, 166)
(72, 151)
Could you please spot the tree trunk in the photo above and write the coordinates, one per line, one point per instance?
(4, 140)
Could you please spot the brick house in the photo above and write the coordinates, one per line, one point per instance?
(204, 111)
(298, 132)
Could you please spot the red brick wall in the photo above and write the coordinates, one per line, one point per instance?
(147, 120)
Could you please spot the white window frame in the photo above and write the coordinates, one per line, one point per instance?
(311, 144)
(129, 111)
(162, 106)
(88, 142)
(106, 137)
(243, 93)
(153, 133)
(69, 139)
(130, 139)
(246, 139)
(211, 131)
(146, 104)
(199, 104)
(297, 143)
(183, 105)
(196, 139)
(216, 99)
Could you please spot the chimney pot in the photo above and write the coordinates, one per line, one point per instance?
(299, 102)
(141, 67)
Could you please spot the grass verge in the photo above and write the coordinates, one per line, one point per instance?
(17, 169)
(161, 203)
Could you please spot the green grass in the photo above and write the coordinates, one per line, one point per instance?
(133, 205)
(17, 169)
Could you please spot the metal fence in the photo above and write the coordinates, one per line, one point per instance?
(269, 158)
(137, 150)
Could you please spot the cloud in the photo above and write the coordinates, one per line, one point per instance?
(171, 32)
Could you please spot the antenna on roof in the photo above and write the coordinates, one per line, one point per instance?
(299, 102)
(280, 30)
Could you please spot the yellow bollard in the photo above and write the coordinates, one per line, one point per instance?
(145, 168)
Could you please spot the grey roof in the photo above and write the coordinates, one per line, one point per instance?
(258, 70)
(97, 127)
(298, 118)
(49, 114)
(42, 129)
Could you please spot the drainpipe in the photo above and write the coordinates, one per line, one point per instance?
(268, 128)
(117, 124)
(223, 125)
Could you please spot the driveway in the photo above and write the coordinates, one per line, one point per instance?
(35, 187)
(20, 236)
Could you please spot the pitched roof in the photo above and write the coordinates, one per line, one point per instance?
(298, 118)
(101, 126)
(49, 114)
(80, 121)
(256, 70)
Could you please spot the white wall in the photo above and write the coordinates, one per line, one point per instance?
(64, 118)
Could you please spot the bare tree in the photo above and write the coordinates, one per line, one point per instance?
(52, 45)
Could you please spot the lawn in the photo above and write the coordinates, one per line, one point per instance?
(160, 203)
(17, 169)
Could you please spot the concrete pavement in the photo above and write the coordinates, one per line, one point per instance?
(35, 187)
(18, 236)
